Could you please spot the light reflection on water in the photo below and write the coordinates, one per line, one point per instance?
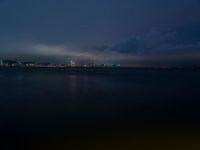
(59, 101)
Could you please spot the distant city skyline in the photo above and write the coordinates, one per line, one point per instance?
(129, 32)
(68, 63)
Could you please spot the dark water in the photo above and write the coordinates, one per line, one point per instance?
(65, 106)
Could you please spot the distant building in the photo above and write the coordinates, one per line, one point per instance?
(11, 63)
(29, 64)
(72, 63)
(111, 65)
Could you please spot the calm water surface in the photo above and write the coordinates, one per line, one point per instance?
(44, 102)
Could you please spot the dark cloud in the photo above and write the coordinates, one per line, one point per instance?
(170, 41)
(132, 45)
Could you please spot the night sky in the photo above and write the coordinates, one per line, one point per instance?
(129, 32)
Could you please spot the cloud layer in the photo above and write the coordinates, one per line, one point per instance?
(134, 33)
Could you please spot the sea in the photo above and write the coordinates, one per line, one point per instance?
(99, 108)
